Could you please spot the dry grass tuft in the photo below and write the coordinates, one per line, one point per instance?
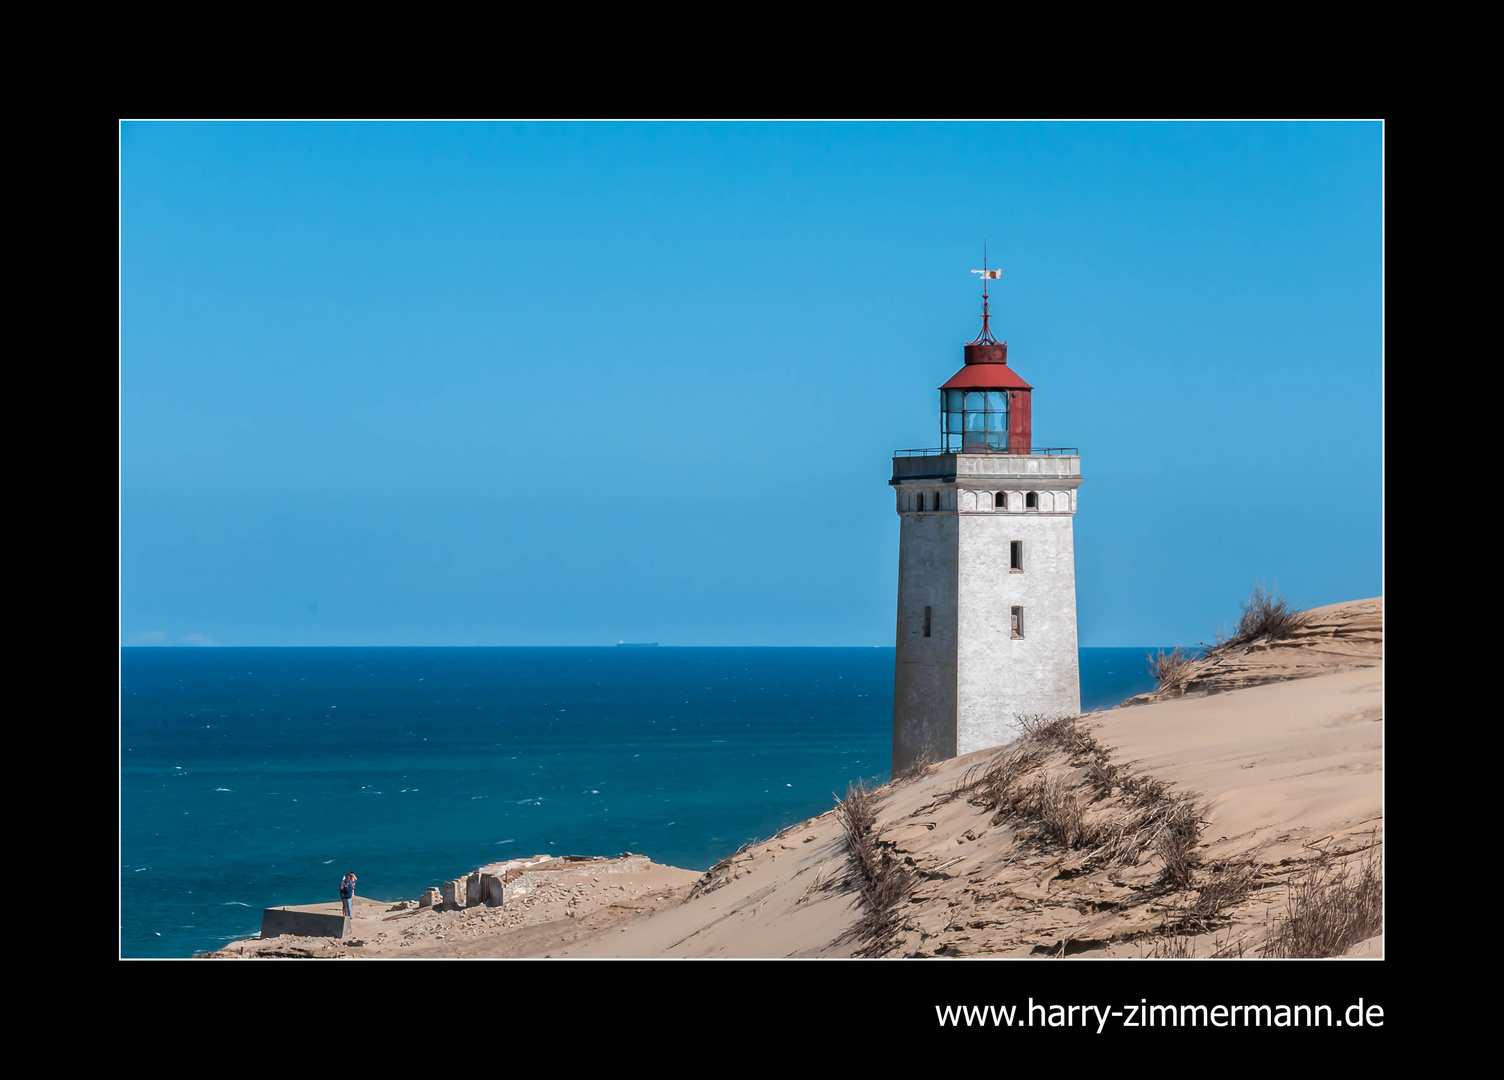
(718, 875)
(1173, 669)
(857, 814)
(926, 757)
(1330, 909)
(886, 882)
(1145, 791)
(1227, 886)
(723, 872)
(1102, 774)
(996, 783)
(1065, 732)
(1267, 615)
(1175, 831)
(1063, 815)
(1147, 815)
(1177, 944)
(818, 884)
(1229, 950)
(1177, 947)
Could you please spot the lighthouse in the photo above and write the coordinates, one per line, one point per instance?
(986, 567)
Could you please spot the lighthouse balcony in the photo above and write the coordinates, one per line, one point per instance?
(1042, 462)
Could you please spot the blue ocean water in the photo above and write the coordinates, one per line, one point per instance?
(256, 777)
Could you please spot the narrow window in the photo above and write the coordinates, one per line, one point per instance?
(1016, 557)
(935, 501)
(1031, 501)
(927, 620)
(1018, 622)
(1000, 500)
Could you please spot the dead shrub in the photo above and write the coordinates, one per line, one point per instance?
(1330, 909)
(1267, 615)
(1172, 670)
(1144, 791)
(1146, 817)
(995, 784)
(1175, 833)
(886, 882)
(1064, 732)
(1149, 817)
(1227, 885)
(1102, 774)
(1063, 815)
(857, 814)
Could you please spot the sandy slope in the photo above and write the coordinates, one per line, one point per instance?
(1284, 777)
(1338, 637)
(1287, 772)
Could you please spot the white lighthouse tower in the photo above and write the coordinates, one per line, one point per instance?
(986, 567)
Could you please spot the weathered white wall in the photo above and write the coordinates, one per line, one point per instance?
(1000, 677)
(964, 687)
(924, 672)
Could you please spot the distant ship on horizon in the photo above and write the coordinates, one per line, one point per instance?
(636, 644)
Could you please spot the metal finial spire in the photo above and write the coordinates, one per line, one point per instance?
(985, 337)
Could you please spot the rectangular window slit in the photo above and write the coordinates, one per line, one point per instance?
(926, 620)
(1016, 556)
(1018, 622)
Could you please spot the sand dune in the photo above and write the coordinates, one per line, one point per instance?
(1338, 637)
(1169, 828)
(1286, 777)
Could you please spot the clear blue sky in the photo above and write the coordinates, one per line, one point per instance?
(559, 384)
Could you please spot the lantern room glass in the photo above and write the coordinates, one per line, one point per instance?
(974, 421)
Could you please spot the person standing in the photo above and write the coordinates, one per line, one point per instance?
(347, 894)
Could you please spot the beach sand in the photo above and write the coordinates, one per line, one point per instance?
(554, 904)
(1274, 755)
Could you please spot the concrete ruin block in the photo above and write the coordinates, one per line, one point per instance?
(431, 898)
(303, 922)
(474, 890)
(453, 893)
(494, 888)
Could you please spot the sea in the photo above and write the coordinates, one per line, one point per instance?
(255, 777)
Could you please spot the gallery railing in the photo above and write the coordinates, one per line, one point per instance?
(1072, 450)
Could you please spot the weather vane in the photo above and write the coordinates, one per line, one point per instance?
(986, 334)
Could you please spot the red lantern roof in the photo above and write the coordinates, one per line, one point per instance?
(986, 377)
